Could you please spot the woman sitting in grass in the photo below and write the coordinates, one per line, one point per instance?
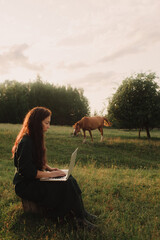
(29, 152)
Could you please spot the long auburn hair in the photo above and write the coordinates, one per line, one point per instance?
(32, 126)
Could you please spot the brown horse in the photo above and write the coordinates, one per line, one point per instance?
(91, 123)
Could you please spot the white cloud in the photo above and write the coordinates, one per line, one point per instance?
(71, 66)
(95, 80)
(14, 57)
(138, 45)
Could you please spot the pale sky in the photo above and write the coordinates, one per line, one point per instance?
(89, 44)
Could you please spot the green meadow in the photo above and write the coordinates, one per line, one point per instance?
(119, 179)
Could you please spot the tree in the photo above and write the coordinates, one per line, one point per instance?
(68, 105)
(13, 101)
(136, 104)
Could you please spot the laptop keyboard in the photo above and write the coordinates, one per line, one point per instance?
(59, 177)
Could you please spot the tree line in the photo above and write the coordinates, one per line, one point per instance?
(135, 104)
(67, 104)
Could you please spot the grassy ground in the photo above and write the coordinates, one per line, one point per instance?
(119, 179)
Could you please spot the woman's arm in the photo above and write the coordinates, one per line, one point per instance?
(25, 163)
(48, 168)
(46, 174)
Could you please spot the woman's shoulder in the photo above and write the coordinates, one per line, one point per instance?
(26, 139)
(24, 144)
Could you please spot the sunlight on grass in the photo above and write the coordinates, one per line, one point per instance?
(133, 141)
(119, 179)
(127, 202)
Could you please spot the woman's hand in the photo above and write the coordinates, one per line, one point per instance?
(49, 174)
(53, 169)
(57, 173)
(50, 169)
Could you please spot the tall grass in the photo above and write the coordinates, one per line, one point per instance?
(119, 179)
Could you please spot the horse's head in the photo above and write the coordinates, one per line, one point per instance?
(76, 129)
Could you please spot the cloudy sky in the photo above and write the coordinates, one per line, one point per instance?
(89, 44)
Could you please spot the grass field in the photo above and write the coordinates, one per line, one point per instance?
(119, 179)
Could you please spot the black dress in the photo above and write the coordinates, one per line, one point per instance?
(61, 197)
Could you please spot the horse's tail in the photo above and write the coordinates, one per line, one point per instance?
(107, 123)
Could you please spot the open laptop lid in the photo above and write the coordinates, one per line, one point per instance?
(72, 162)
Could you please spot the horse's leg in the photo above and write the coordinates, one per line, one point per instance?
(90, 135)
(84, 133)
(101, 131)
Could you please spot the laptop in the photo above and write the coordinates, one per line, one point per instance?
(67, 171)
